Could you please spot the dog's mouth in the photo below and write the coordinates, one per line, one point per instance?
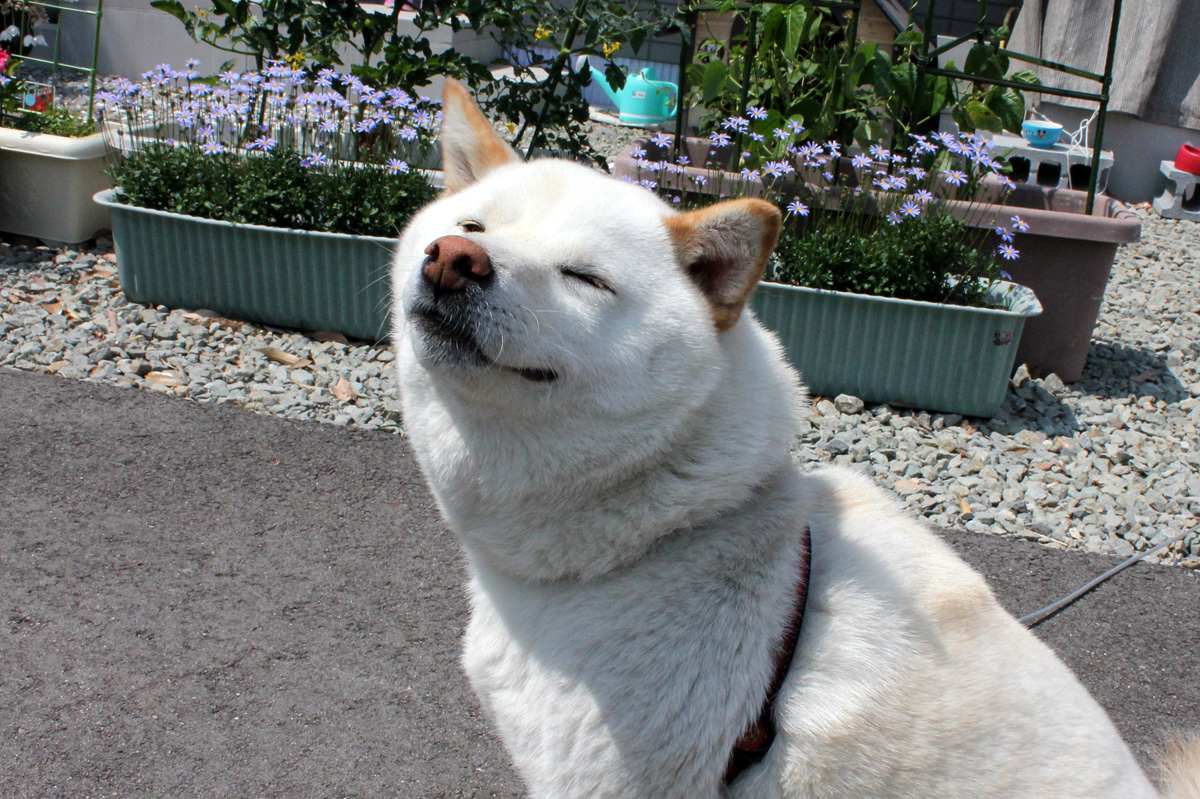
(456, 343)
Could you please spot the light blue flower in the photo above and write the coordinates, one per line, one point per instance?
(755, 112)
(1008, 252)
(956, 178)
(395, 166)
(798, 208)
(1020, 225)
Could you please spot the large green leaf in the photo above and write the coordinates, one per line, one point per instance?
(1009, 107)
(713, 82)
(172, 7)
(983, 117)
(905, 82)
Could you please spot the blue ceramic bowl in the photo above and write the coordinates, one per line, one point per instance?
(1041, 134)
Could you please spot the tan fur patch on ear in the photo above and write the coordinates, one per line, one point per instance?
(470, 145)
(725, 248)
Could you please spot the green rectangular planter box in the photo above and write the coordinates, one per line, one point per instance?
(274, 276)
(944, 358)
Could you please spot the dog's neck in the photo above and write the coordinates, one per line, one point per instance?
(548, 499)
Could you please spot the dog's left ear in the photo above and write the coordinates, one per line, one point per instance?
(470, 145)
(724, 248)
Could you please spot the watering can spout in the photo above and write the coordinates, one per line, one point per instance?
(597, 78)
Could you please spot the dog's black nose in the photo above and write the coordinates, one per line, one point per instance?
(453, 261)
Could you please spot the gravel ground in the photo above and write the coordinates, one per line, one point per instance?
(1110, 464)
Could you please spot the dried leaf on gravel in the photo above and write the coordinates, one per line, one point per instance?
(329, 335)
(285, 358)
(168, 378)
(52, 307)
(964, 507)
(343, 390)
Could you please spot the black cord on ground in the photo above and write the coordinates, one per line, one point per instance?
(1038, 616)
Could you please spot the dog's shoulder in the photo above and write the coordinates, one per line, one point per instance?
(870, 538)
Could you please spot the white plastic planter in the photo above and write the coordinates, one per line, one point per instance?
(47, 183)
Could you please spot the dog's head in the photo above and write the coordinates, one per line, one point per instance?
(529, 278)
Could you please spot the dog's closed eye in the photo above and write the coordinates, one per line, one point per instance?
(471, 226)
(588, 278)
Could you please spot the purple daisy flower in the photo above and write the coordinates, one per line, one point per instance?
(956, 178)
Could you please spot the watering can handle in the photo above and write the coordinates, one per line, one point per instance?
(673, 102)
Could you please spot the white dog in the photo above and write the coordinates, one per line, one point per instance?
(608, 435)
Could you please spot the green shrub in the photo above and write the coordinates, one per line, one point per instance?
(274, 189)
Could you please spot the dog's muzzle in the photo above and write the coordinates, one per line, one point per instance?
(454, 274)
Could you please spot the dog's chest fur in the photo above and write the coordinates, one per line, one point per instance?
(637, 683)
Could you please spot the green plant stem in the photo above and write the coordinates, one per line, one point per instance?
(555, 76)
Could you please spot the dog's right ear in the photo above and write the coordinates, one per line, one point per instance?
(470, 145)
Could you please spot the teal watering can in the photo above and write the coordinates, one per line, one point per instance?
(643, 101)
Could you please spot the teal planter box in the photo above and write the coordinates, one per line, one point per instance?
(295, 279)
(944, 358)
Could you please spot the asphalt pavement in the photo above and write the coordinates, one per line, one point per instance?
(199, 601)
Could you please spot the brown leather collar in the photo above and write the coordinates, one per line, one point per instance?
(760, 734)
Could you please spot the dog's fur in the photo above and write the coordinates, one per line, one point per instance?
(614, 457)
